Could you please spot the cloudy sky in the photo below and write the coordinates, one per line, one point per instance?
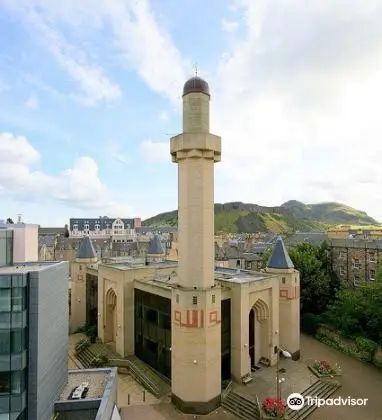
(90, 92)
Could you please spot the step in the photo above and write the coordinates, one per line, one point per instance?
(241, 406)
(308, 410)
(321, 390)
(238, 412)
(148, 377)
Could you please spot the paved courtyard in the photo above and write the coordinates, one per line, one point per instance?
(359, 380)
(296, 378)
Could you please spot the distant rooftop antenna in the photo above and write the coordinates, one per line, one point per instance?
(19, 218)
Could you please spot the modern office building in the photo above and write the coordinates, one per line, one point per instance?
(33, 327)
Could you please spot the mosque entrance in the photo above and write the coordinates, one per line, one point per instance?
(258, 332)
(111, 316)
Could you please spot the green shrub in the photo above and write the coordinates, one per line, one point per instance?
(310, 323)
(99, 361)
(81, 330)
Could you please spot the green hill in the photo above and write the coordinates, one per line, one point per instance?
(289, 217)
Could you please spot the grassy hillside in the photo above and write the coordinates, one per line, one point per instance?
(289, 217)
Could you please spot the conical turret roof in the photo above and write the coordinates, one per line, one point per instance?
(86, 249)
(155, 246)
(280, 258)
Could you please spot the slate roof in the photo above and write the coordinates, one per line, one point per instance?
(280, 257)
(155, 246)
(313, 238)
(86, 249)
(144, 230)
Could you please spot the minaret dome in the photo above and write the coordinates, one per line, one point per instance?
(196, 85)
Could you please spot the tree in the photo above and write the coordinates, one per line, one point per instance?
(319, 284)
(359, 312)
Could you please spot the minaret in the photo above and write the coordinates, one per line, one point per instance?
(196, 302)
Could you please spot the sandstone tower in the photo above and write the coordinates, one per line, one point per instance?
(196, 302)
(281, 264)
(86, 254)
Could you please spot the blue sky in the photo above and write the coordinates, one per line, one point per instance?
(91, 92)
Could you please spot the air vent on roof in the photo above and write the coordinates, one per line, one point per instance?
(79, 392)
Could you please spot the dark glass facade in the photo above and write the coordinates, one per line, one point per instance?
(153, 330)
(6, 247)
(91, 299)
(13, 346)
(226, 339)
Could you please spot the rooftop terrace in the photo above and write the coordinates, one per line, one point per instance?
(28, 267)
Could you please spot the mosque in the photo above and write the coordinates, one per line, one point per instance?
(196, 323)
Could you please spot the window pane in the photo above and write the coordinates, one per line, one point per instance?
(5, 300)
(16, 382)
(17, 341)
(5, 342)
(18, 299)
(4, 383)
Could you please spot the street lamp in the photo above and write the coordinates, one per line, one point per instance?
(287, 355)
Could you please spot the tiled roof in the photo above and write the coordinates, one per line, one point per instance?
(280, 257)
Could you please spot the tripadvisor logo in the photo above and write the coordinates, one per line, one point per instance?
(297, 401)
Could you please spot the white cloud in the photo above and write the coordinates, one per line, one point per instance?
(155, 151)
(141, 42)
(78, 186)
(229, 26)
(307, 87)
(296, 95)
(94, 85)
(31, 103)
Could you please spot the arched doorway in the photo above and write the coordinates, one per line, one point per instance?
(111, 316)
(258, 332)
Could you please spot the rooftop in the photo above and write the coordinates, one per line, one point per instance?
(96, 378)
(230, 275)
(141, 264)
(28, 267)
(233, 275)
(100, 387)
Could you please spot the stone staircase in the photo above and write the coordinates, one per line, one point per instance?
(240, 406)
(153, 381)
(85, 357)
(321, 389)
(249, 410)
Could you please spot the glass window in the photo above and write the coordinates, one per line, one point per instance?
(5, 300)
(17, 382)
(4, 383)
(5, 342)
(17, 341)
(18, 299)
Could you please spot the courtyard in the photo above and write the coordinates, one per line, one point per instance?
(359, 380)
